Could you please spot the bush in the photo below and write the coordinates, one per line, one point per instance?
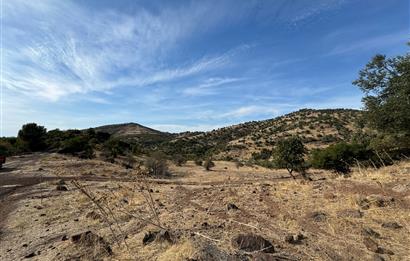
(129, 161)
(198, 162)
(78, 146)
(156, 164)
(209, 164)
(339, 157)
(179, 160)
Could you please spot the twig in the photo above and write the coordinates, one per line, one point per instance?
(209, 238)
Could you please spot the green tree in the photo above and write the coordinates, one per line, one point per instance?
(33, 136)
(289, 154)
(386, 85)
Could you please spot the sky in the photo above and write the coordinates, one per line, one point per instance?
(187, 65)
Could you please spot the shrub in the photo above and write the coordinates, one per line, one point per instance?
(289, 154)
(339, 157)
(156, 164)
(198, 162)
(129, 161)
(78, 146)
(179, 160)
(209, 164)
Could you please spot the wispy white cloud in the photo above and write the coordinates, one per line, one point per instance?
(209, 86)
(62, 49)
(371, 43)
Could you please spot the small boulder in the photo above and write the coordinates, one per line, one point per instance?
(93, 215)
(232, 206)
(392, 225)
(61, 188)
(295, 239)
(160, 236)
(367, 231)
(374, 247)
(252, 243)
(90, 240)
(375, 201)
(350, 213)
(318, 216)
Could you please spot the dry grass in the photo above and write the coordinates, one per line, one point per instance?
(193, 206)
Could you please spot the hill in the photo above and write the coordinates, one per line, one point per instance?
(126, 130)
(317, 128)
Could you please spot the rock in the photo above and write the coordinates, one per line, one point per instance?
(351, 213)
(205, 225)
(32, 254)
(64, 238)
(93, 215)
(90, 240)
(252, 243)
(160, 236)
(61, 188)
(374, 247)
(61, 182)
(378, 257)
(295, 239)
(148, 238)
(370, 244)
(370, 232)
(392, 225)
(232, 206)
(318, 216)
(375, 201)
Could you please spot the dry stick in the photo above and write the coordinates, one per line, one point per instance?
(358, 165)
(152, 210)
(244, 224)
(117, 223)
(374, 165)
(102, 210)
(150, 203)
(381, 160)
(405, 156)
(209, 238)
(388, 156)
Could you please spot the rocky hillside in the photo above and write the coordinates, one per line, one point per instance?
(126, 130)
(318, 128)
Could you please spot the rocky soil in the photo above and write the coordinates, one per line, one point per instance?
(55, 207)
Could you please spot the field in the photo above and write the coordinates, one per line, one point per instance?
(50, 201)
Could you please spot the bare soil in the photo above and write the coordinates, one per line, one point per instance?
(190, 215)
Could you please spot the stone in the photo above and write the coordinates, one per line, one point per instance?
(318, 216)
(93, 215)
(392, 225)
(61, 188)
(367, 231)
(252, 243)
(295, 239)
(160, 236)
(92, 240)
(232, 206)
(351, 213)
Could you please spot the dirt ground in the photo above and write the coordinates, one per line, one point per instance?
(102, 211)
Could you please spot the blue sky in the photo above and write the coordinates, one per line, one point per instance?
(187, 65)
